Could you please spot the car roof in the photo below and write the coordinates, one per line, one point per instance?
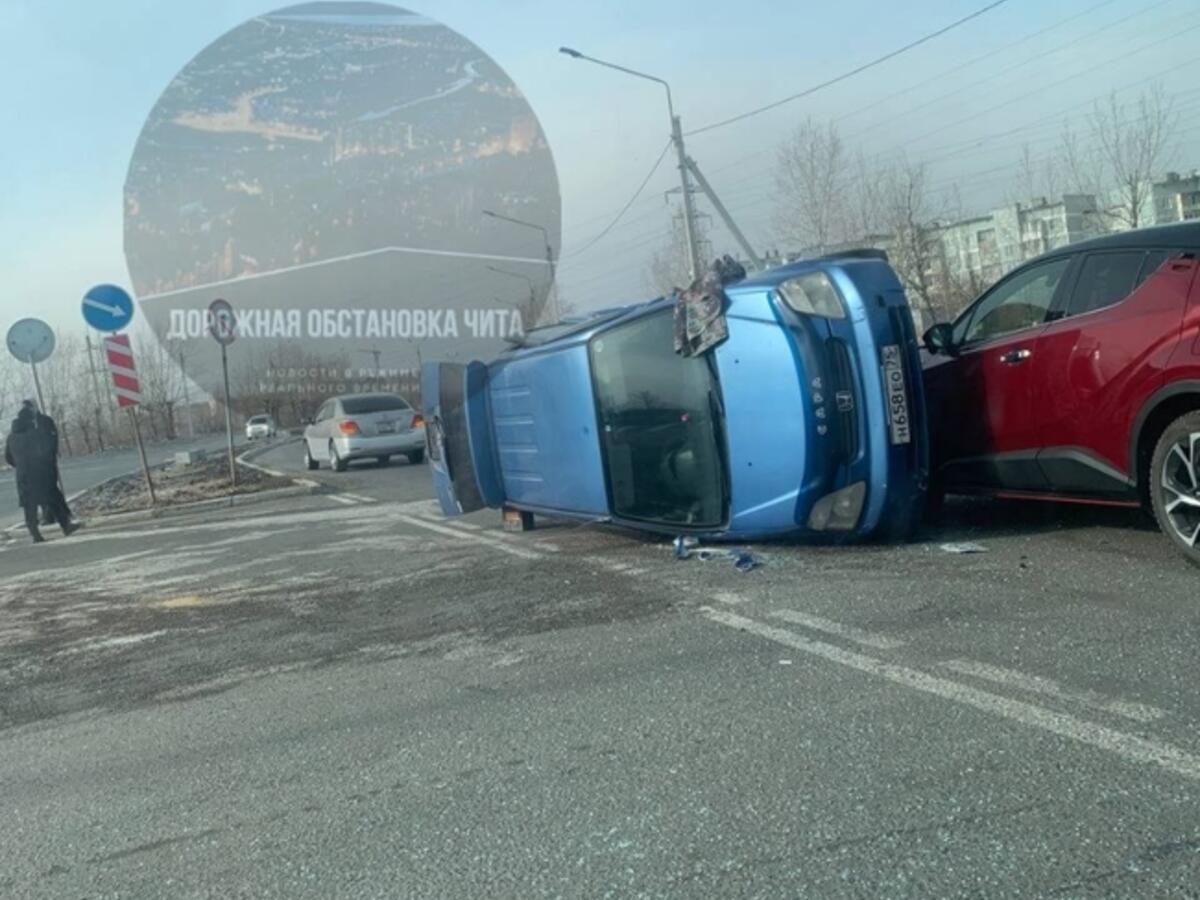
(1184, 235)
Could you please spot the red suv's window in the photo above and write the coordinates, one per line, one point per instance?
(1021, 301)
(1105, 279)
(1154, 259)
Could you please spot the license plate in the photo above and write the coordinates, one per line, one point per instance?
(386, 428)
(897, 395)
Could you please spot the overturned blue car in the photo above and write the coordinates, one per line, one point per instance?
(801, 414)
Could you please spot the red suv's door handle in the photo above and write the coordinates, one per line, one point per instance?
(1015, 357)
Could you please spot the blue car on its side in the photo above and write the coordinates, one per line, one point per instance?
(808, 420)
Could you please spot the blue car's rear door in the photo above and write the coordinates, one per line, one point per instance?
(458, 437)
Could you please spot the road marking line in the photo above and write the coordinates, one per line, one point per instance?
(435, 515)
(359, 497)
(1128, 746)
(340, 498)
(474, 538)
(730, 599)
(849, 632)
(1036, 684)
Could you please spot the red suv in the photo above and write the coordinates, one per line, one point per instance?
(1076, 377)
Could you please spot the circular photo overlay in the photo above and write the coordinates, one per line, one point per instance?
(363, 185)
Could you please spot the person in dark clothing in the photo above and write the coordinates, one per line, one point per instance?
(43, 421)
(30, 450)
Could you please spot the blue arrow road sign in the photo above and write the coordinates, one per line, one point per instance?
(107, 307)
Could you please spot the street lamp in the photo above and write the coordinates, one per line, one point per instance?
(689, 210)
(525, 278)
(549, 250)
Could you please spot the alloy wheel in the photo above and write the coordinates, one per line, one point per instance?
(1180, 486)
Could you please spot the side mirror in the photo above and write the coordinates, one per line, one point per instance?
(940, 339)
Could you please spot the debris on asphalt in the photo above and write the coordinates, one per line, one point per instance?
(684, 546)
(964, 547)
(689, 547)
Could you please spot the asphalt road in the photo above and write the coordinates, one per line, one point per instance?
(82, 472)
(343, 695)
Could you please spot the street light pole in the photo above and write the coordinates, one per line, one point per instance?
(689, 208)
(549, 254)
(525, 278)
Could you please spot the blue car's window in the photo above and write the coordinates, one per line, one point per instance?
(658, 433)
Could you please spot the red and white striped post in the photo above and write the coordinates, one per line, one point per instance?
(118, 353)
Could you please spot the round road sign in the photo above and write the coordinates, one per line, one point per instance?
(31, 340)
(221, 322)
(107, 307)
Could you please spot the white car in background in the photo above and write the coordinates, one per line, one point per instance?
(260, 427)
(364, 426)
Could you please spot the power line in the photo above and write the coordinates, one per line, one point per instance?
(832, 81)
(1043, 88)
(1021, 64)
(942, 75)
(624, 209)
(970, 144)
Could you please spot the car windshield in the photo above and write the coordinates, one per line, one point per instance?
(259, 420)
(658, 421)
(377, 403)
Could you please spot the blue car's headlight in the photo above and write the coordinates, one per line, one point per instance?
(813, 294)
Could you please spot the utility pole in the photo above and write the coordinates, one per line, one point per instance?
(95, 392)
(689, 208)
(723, 213)
(687, 167)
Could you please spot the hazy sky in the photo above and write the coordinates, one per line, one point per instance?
(80, 77)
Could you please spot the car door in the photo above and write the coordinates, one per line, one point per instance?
(1103, 356)
(984, 431)
(317, 433)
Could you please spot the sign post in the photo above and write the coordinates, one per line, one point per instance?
(32, 341)
(223, 327)
(128, 388)
(108, 309)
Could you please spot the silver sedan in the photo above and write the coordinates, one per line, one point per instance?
(364, 426)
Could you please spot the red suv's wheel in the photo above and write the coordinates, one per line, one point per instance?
(1175, 484)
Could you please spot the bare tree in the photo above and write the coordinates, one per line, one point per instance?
(1133, 145)
(14, 386)
(1037, 177)
(1124, 148)
(162, 385)
(64, 380)
(812, 174)
(864, 198)
(914, 248)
